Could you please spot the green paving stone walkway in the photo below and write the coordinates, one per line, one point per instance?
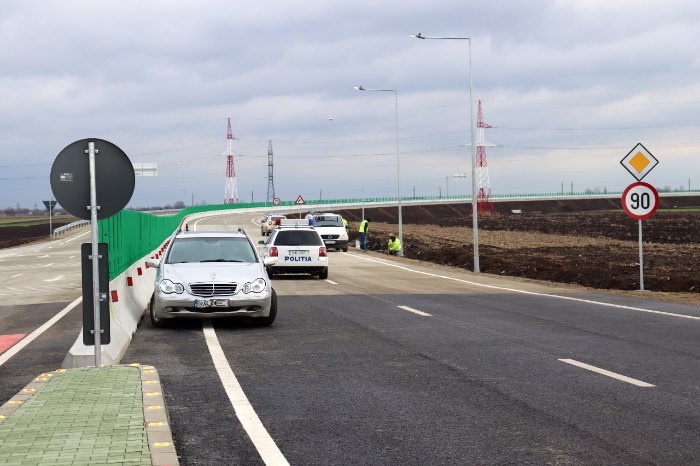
(80, 417)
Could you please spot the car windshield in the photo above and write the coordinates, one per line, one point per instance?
(211, 250)
(328, 221)
(298, 238)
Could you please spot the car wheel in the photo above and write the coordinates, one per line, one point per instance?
(160, 323)
(323, 275)
(267, 321)
(345, 249)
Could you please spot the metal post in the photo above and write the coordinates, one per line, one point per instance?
(641, 258)
(447, 186)
(398, 174)
(51, 217)
(363, 205)
(475, 220)
(95, 256)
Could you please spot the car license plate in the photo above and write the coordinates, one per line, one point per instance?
(298, 253)
(330, 241)
(200, 303)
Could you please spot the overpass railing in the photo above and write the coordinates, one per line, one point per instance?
(71, 226)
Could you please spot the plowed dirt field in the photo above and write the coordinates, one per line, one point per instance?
(597, 249)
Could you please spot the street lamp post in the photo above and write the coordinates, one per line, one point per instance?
(398, 170)
(475, 221)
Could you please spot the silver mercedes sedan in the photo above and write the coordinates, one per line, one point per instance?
(209, 274)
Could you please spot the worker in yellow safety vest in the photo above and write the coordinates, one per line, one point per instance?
(364, 229)
(393, 245)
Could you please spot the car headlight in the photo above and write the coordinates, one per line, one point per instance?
(256, 286)
(168, 287)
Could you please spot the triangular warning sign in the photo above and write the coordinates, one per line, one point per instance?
(300, 200)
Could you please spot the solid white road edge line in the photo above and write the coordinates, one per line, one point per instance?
(415, 311)
(266, 447)
(532, 293)
(4, 357)
(15, 276)
(614, 375)
(329, 281)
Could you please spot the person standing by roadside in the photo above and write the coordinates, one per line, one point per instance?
(364, 229)
(310, 217)
(393, 246)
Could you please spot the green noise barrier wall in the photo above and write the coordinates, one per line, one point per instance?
(131, 235)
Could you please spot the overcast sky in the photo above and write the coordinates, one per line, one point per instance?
(568, 86)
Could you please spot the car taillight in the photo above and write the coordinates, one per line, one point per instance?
(273, 251)
(322, 251)
(278, 221)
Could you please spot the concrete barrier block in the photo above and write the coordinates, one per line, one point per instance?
(125, 315)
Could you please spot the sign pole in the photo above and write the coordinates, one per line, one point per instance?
(95, 256)
(641, 258)
(51, 217)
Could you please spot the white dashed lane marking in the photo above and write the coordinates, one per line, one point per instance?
(415, 311)
(331, 282)
(54, 279)
(15, 276)
(614, 375)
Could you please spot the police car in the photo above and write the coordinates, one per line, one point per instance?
(296, 247)
(332, 230)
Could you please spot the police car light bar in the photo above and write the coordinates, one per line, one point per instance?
(294, 222)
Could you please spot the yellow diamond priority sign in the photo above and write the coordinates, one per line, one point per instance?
(639, 162)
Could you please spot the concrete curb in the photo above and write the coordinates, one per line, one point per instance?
(14, 403)
(155, 415)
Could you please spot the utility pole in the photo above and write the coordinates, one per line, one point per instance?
(320, 194)
(447, 186)
(440, 192)
(572, 188)
(562, 188)
(270, 173)
(251, 196)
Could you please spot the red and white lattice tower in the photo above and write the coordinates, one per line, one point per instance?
(230, 190)
(483, 200)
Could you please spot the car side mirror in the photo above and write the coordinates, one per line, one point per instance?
(269, 261)
(153, 263)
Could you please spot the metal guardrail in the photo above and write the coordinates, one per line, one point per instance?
(71, 226)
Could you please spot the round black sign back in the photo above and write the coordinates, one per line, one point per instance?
(114, 178)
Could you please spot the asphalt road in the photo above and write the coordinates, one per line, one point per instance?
(468, 370)
(39, 280)
(393, 362)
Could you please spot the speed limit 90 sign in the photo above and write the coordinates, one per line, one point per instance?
(640, 200)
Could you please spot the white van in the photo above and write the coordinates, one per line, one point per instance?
(332, 230)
